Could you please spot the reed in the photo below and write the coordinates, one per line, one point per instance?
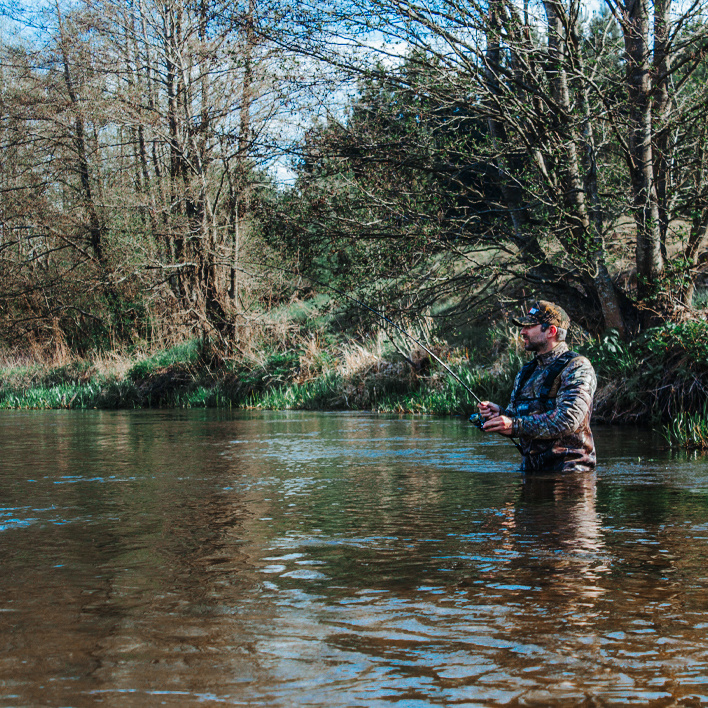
(92, 394)
(688, 430)
(323, 393)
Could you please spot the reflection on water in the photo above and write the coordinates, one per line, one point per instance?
(204, 558)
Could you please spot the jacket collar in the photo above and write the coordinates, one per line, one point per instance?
(545, 359)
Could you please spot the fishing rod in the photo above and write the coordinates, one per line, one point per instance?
(383, 317)
(476, 419)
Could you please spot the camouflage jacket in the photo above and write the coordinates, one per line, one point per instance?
(554, 432)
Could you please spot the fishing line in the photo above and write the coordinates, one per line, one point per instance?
(386, 319)
(383, 317)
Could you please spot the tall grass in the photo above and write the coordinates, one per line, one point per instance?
(323, 393)
(185, 353)
(662, 376)
(688, 430)
(93, 394)
(320, 373)
(363, 379)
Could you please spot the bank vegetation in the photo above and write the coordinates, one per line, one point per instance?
(659, 380)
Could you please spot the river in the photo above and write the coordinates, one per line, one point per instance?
(198, 558)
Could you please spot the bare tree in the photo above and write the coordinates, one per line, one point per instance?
(590, 121)
(153, 122)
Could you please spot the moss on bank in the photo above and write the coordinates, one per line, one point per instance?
(660, 378)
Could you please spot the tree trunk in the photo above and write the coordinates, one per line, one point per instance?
(650, 262)
(662, 109)
(584, 241)
(95, 226)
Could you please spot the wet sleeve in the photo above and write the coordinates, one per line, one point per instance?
(573, 403)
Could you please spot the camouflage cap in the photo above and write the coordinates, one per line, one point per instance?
(544, 312)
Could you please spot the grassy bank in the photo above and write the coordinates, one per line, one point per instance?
(368, 374)
(659, 379)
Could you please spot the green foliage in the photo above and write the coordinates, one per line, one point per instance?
(75, 372)
(609, 354)
(700, 298)
(688, 430)
(278, 368)
(443, 395)
(322, 393)
(394, 388)
(660, 375)
(684, 342)
(93, 394)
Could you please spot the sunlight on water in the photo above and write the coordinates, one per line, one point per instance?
(279, 559)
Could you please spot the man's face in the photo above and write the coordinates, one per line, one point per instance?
(535, 339)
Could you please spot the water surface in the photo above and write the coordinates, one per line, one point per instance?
(303, 559)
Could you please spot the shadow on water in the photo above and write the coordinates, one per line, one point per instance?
(206, 558)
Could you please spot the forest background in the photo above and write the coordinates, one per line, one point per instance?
(187, 187)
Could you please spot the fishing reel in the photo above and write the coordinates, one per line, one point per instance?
(477, 420)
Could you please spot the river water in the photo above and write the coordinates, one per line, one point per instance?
(324, 559)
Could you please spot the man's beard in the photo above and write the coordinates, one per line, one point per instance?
(530, 346)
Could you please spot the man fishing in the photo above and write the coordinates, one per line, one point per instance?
(551, 402)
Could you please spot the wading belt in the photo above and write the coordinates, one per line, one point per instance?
(552, 373)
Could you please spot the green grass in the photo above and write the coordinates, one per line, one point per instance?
(700, 298)
(443, 395)
(324, 392)
(654, 378)
(314, 377)
(394, 390)
(688, 430)
(186, 353)
(94, 394)
(62, 396)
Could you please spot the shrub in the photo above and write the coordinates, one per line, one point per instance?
(658, 376)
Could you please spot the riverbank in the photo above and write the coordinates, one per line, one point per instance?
(368, 374)
(660, 378)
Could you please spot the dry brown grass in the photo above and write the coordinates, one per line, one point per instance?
(358, 359)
